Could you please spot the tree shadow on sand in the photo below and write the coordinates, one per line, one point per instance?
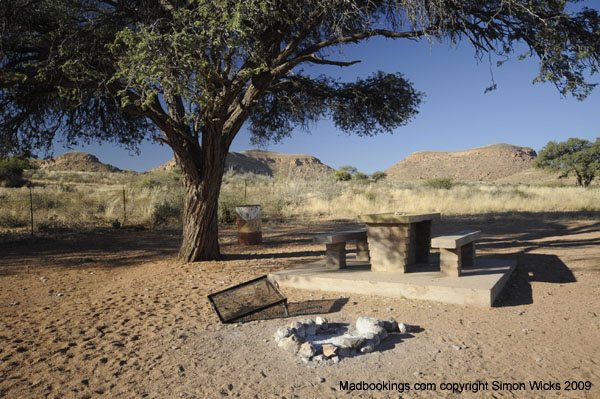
(532, 268)
(279, 255)
(100, 248)
(524, 234)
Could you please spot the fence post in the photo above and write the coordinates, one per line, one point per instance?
(124, 207)
(245, 180)
(31, 208)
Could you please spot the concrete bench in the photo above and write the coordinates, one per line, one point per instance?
(335, 247)
(456, 250)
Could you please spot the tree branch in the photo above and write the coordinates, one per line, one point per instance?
(175, 107)
(240, 112)
(111, 3)
(365, 35)
(293, 44)
(355, 38)
(162, 140)
(316, 60)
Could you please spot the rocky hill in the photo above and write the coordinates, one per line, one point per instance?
(76, 161)
(489, 163)
(269, 163)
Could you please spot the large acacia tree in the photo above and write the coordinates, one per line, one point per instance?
(577, 157)
(190, 73)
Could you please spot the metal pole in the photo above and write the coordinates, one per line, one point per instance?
(31, 209)
(124, 207)
(245, 180)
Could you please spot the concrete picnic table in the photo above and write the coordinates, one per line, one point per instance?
(398, 240)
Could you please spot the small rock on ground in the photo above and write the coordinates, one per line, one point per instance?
(307, 350)
(290, 344)
(329, 350)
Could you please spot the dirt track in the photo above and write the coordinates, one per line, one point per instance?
(113, 314)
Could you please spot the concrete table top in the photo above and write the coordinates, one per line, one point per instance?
(398, 217)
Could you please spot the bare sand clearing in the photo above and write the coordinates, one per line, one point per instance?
(114, 315)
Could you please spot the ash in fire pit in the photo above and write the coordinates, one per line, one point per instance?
(325, 343)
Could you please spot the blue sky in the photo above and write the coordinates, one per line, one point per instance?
(455, 114)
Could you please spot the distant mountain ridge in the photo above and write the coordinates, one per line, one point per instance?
(268, 163)
(76, 161)
(500, 163)
(488, 163)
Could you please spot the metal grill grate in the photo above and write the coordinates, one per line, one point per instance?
(247, 298)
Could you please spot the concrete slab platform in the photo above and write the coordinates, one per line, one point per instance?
(478, 286)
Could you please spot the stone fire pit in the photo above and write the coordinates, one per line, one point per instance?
(326, 343)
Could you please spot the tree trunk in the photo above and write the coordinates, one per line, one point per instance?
(202, 170)
(200, 221)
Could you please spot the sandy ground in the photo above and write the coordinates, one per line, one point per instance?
(113, 314)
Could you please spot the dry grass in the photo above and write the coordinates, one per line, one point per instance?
(326, 198)
(49, 177)
(459, 200)
(86, 199)
(83, 199)
(78, 207)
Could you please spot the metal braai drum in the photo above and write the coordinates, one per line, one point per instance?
(248, 224)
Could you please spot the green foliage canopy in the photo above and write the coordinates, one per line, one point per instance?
(577, 157)
(342, 175)
(122, 71)
(359, 176)
(442, 183)
(348, 168)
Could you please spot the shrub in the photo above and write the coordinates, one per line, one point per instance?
(444, 183)
(176, 175)
(11, 171)
(378, 176)
(342, 175)
(227, 203)
(48, 201)
(359, 176)
(274, 208)
(520, 193)
(12, 221)
(166, 211)
(371, 196)
(147, 182)
(348, 168)
(66, 188)
(151, 180)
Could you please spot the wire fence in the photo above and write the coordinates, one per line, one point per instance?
(52, 208)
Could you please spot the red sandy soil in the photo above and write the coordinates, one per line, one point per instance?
(114, 314)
